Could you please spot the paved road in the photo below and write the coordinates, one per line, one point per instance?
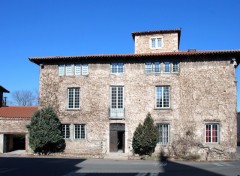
(22, 166)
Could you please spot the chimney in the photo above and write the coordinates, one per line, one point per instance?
(192, 50)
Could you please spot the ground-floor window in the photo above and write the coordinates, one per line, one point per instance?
(212, 133)
(66, 131)
(163, 133)
(79, 131)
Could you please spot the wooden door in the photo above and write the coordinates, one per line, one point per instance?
(113, 141)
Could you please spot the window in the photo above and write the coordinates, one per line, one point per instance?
(117, 68)
(79, 131)
(152, 67)
(66, 131)
(117, 102)
(85, 69)
(156, 43)
(162, 96)
(61, 70)
(73, 98)
(212, 133)
(70, 70)
(77, 69)
(175, 67)
(167, 67)
(163, 133)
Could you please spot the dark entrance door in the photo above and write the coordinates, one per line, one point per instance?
(117, 137)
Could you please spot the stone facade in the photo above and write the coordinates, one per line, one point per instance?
(202, 92)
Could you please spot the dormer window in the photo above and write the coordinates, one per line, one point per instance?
(156, 42)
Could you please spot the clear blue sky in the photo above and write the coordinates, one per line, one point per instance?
(30, 28)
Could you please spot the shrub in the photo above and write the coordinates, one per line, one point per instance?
(45, 132)
(145, 137)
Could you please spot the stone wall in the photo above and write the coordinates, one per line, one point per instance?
(204, 91)
(142, 43)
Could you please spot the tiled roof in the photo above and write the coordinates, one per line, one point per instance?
(18, 111)
(3, 89)
(136, 57)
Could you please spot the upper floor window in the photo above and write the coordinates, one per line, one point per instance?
(164, 133)
(76, 69)
(156, 42)
(79, 131)
(167, 67)
(152, 67)
(73, 98)
(162, 96)
(117, 68)
(117, 101)
(66, 131)
(212, 133)
(175, 67)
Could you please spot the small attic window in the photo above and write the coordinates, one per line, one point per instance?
(156, 42)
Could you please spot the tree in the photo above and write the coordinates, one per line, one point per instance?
(145, 137)
(45, 132)
(25, 98)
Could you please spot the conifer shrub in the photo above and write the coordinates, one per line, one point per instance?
(145, 137)
(45, 134)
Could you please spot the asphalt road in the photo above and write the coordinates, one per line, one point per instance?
(22, 166)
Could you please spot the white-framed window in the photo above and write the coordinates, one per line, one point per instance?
(152, 67)
(70, 69)
(167, 67)
(117, 68)
(117, 101)
(84, 69)
(79, 131)
(73, 98)
(162, 96)
(66, 131)
(175, 67)
(164, 133)
(156, 42)
(61, 70)
(77, 70)
(212, 133)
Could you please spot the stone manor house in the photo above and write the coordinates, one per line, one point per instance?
(101, 99)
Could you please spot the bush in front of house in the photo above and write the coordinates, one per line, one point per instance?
(145, 137)
(45, 134)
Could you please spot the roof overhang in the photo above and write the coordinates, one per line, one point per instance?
(3, 89)
(235, 54)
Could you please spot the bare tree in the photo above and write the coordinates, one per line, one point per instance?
(25, 98)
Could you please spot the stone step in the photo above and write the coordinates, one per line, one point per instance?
(116, 156)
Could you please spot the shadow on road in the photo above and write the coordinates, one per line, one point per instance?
(72, 167)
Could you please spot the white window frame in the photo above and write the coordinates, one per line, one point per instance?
(211, 135)
(163, 96)
(77, 69)
(117, 111)
(61, 70)
(165, 139)
(66, 131)
(74, 98)
(164, 67)
(85, 69)
(80, 131)
(155, 42)
(150, 67)
(119, 68)
(69, 70)
(172, 67)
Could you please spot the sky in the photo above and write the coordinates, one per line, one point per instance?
(39, 28)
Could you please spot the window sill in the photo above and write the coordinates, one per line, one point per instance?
(73, 109)
(162, 108)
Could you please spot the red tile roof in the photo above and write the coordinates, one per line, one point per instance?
(136, 57)
(18, 111)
